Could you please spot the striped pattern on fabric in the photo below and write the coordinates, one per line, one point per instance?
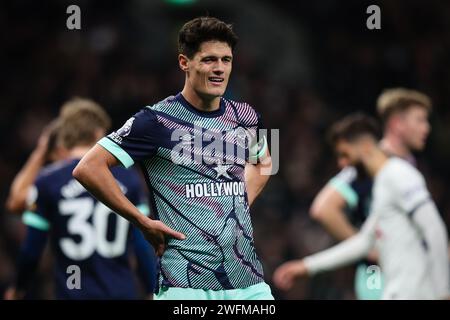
(210, 208)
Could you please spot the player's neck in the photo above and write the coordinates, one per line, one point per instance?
(393, 145)
(78, 152)
(200, 103)
(374, 161)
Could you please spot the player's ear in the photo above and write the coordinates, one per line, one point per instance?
(183, 62)
(395, 122)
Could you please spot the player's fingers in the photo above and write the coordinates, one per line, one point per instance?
(287, 280)
(283, 283)
(281, 270)
(287, 284)
(284, 276)
(278, 276)
(175, 234)
(170, 232)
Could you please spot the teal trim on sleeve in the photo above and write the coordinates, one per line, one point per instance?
(263, 149)
(144, 209)
(34, 220)
(260, 154)
(117, 151)
(350, 196)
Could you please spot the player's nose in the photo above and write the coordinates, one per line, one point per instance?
(219, 68)
(218, 72)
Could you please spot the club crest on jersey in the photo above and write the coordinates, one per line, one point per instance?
(242, 137)
(118, 135)
(126, 128)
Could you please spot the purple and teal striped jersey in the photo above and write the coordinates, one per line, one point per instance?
(206, 200)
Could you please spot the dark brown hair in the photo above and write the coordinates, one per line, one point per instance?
(353, 127)
(202, 29)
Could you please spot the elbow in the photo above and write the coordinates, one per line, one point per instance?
(17, 199)
(15, 205)
(317, 212)
(81, 172)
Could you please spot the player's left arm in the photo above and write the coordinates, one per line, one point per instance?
(417, 203)
(257, 175)
(434, 233)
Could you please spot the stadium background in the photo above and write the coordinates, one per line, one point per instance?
(301, 65)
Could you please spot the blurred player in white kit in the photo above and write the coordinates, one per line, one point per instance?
(342, 205)
(403, 225)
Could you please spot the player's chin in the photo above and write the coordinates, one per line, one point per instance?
(216, 89)
(419, 145)
(216, 92)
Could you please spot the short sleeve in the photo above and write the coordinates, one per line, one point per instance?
(409, 189)
(138, 139)
(342, 183)
(38, 203)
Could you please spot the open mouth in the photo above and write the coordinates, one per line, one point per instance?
(216, 79)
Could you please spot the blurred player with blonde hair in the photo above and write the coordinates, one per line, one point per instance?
(84, 234)
(403, 223)
(342, 205)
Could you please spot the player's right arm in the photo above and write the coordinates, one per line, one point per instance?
(426, 216)
(328, 207)
(94, 173)
(413, 197)
(16, 201)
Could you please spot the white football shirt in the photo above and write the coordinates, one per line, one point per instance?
(408, 232)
